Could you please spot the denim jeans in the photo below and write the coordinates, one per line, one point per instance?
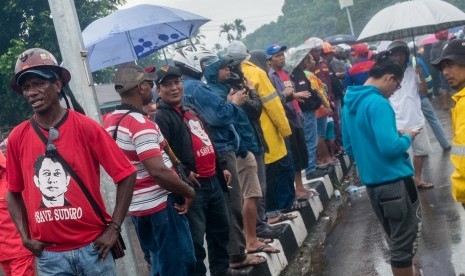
(168, 237)
(433, 121)
(209, 216)
(81, 261)
(280, 190)
(311, 139)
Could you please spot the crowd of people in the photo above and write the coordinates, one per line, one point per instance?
(219, 157)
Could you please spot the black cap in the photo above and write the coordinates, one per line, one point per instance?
(166, 71)
(453, 51)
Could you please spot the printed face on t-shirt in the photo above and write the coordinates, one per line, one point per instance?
(197, 130)
(52, 181)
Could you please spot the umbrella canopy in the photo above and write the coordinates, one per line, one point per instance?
(133, 33)
(341, 38)
(296, 56)
(412, 18)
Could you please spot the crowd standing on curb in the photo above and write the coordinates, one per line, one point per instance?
(219, 156)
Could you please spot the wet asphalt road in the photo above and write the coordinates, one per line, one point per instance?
(356, 244)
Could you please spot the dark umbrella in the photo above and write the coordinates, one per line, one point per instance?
(341, 38)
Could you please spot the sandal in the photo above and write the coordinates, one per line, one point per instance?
(265, 248)
(297, 205)
(248, 261)
(284, 217)
(265, 240)
(425, 185)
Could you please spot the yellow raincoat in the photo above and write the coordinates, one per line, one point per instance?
(273, 119)
(458, 146)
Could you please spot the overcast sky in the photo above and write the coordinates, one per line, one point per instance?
(254, 13)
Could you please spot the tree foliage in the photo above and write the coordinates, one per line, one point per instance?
(302, 19)
(28, 23)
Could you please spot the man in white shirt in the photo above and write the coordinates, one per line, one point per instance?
(406, 103)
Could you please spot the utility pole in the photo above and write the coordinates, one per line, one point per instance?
(350, 21)
(346, 4)
(74, 54)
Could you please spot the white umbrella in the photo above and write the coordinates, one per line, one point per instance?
(133, 33)
(296, 56)
(412, 18)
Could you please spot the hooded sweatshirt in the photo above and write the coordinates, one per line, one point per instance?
(370, 136)
(247, 139)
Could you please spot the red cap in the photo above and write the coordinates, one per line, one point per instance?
(360, 50)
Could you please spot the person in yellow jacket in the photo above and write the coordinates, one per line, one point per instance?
(273, 122)
(452, 64)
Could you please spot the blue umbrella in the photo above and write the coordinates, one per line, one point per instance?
(130, 34)
(341, 38)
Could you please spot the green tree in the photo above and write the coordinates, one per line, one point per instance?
(26, 24)
(227, 28)
(302, 19)
(239, 27)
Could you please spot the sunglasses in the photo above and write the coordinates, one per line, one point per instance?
(53, 134)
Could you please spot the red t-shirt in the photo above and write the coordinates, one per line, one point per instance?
(57, 209)
(288, 83)
(202, 146)
(11, 245)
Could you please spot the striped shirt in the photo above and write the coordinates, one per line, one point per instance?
(140, 139)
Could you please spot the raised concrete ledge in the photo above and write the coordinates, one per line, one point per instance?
(298, 229)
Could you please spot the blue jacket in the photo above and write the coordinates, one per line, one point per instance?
(247, 138)
(370, 136)
(219, 115)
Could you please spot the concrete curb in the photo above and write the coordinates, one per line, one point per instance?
(297, 230)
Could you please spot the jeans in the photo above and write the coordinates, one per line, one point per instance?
(311, 138)
(280, 190)
(434, 123)
(236, 246)
(209, 215)
(168, 237)
(81, 261)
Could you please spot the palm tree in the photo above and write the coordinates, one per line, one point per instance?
(227, 28)
(198, 37)
(239, 27)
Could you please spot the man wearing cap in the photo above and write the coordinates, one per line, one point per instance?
(358, 73)
(190, 142)
(452, 64)
(296, 145)
(161, 198)
(71, 239)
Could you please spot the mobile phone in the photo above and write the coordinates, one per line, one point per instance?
(418, 129)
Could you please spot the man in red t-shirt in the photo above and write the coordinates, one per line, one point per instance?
(14, 258)
(191, 143)
(161, 198)
(50, 209)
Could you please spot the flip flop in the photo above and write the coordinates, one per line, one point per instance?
(265, 240)
(284, 217)
(249, 260)
(425, 185)
(297, 205)
(266, 248)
